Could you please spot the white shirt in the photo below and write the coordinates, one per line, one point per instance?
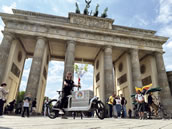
(118, 101)
(139, 97)
(3, 92)
(26, 103)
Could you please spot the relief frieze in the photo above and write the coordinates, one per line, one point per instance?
(90, 21)
(121, 40)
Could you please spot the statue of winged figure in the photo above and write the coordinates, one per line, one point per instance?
(96, 11)
(87, 6)
(77, 8)
(88, 3)
(104, 14)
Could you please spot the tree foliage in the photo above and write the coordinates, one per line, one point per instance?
(20, 96)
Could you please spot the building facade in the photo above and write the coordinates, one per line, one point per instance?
(123, 57)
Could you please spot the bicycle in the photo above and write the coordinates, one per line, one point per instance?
(90, 104)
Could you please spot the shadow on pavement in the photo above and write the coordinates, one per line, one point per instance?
(4, 127)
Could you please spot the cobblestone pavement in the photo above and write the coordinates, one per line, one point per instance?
(17, 122)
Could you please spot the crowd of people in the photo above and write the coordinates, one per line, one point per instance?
(117, 106)
(12, 107)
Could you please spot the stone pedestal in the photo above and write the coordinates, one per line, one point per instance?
(135, 68)
(4, 53)
(108, 73)
(36, 68)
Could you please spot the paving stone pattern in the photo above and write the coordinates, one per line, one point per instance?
(17, 122)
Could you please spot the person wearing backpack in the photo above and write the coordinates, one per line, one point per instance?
(141, 104)
(118, 106)
(114, 107)
(110, 104)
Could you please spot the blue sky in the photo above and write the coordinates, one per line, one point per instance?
(146, 14)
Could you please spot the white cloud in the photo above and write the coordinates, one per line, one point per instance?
(168, 45)
(55, 72)
(8, 9)
(23, 85)
(26, 73)
(165, 12)
(165, 30)
(1, 35)
(71, 1)
(140, 20)
(169, 67)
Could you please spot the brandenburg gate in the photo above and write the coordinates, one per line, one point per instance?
(123, 57)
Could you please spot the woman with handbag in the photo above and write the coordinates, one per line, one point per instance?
(3, 93)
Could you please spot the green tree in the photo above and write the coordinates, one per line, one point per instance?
(80, 70)
(20, 96)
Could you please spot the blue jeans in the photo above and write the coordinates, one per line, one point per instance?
(110, 110)
(118, 109)
(125, 110)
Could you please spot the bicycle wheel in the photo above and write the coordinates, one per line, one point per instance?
(52, 113)
(100, 110)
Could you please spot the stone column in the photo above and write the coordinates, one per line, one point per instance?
(36, 67)
(154, 71)
(130, 82)
(135, 69)
(69, 58)
(108, 73)
(4, 53)
(165, 95)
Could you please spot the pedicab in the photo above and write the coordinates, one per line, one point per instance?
(79, 102)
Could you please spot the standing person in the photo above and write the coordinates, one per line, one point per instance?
(33, 108)
(11, 106)
(129, 113)
(123, 106)
(45, 106)
(152, 105)
(141, 105)
(26, 103)
(19, 107)
(110, 104)
(3, 93)
(118, 106)
(67, 89)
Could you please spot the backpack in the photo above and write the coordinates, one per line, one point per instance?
(114, 102)
(107, 100)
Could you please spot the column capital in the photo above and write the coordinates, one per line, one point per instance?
(8, 35)
(108, 46)
(108, 49)
(133, 50)
(71, 41)
(40, 37)
(158, 52)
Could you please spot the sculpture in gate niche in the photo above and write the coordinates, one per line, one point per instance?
(77, 8)
(86, 7)
(96, 11)
(104, 14)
